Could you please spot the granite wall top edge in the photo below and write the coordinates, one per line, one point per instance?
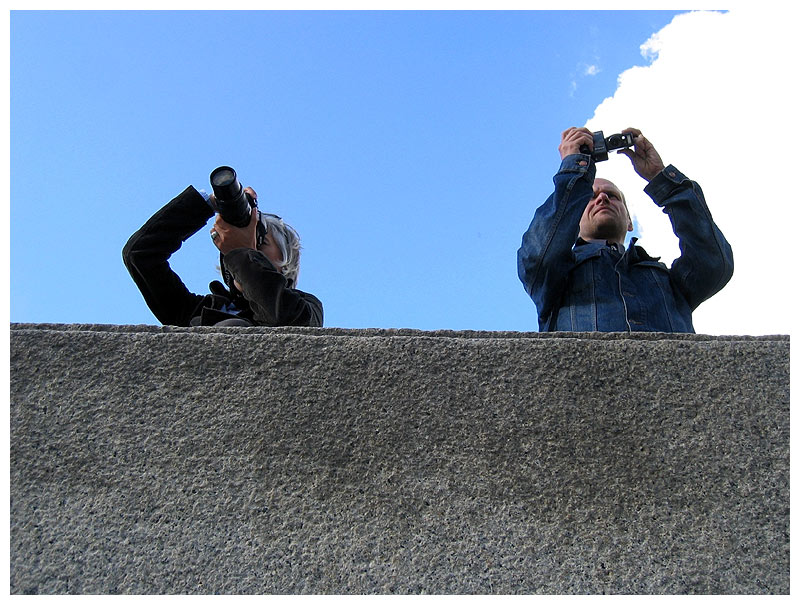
(391, 332)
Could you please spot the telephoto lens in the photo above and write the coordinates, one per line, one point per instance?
(233, 204)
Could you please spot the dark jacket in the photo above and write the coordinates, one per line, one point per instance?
(584, 287)
(267, 298)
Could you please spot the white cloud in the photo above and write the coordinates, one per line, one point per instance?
(573, 86)
(585, 70)
(717, 101)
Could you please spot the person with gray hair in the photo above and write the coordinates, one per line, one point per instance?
(259, 263)
(287, 241)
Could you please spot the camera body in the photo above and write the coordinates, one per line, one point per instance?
(602, 145)
(234, 204)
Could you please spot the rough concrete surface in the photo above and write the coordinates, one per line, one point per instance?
(254, 460)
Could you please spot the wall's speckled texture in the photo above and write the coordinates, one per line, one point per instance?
(156, 460)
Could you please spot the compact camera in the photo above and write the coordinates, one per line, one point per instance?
(602, 145)
(234, 204)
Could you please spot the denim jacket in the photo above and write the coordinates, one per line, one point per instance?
(584, 287)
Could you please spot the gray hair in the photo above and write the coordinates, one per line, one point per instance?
(288, 243)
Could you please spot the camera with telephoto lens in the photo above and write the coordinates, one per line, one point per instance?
(234, 204)
(602, 145)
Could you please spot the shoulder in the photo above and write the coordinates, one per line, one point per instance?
(309, 297)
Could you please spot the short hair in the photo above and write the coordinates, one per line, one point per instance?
(288, 243)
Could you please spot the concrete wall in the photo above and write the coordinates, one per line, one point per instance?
(229, 460)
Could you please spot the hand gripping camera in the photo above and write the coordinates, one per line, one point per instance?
(602, 145)
(234, 204)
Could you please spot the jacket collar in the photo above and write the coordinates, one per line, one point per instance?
(597, 244)
(636, 253)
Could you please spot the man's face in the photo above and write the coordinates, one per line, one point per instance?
(606, 216)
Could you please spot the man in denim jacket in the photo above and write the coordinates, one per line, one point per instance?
(576, 269)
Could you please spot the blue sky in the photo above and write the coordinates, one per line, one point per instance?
(409, 149)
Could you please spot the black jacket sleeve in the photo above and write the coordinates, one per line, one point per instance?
(271, 300)
(147, 252)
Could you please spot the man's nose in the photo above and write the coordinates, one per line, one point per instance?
(602, 198)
